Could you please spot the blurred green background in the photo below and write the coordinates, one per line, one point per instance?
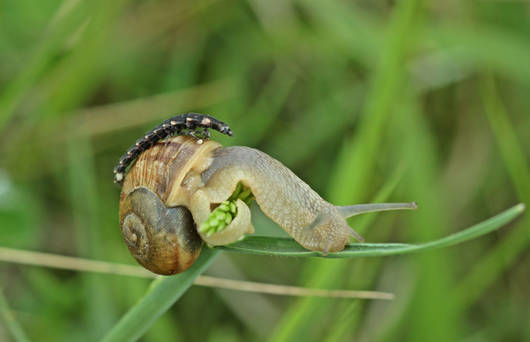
(349, 94)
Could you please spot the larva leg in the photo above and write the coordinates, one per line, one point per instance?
(200, 133)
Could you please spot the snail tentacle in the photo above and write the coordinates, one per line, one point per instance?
(356, 209)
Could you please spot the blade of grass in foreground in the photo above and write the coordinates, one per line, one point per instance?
(159, 298)
(68, 18)
(503, 255)
(166, 291)
(288, 247)
(10, 321)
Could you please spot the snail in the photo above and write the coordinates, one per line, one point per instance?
(178, 189)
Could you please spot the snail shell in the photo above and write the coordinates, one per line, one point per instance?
(155, 218)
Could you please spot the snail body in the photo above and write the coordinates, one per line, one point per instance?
(176, 184)
(280, 194)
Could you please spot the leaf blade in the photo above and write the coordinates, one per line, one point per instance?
(273, 246)
(160, 296)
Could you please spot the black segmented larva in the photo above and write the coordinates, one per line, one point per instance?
(175, 125)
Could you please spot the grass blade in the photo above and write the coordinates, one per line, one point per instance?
(502, 256)
(55, 261)
(356, 164)
(60, 28)
(166, 291)
(163, 292)
(287, 247)
(10, 321)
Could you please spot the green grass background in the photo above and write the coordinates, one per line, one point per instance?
(346, 93)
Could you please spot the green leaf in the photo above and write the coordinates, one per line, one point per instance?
(163, 293)
(10, 321)
(287, 247)
(166, 291)
(505, 253)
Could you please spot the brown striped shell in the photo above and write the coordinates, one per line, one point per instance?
(156, 217)
(156, 224)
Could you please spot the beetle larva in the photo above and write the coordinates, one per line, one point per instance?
(174, 125)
